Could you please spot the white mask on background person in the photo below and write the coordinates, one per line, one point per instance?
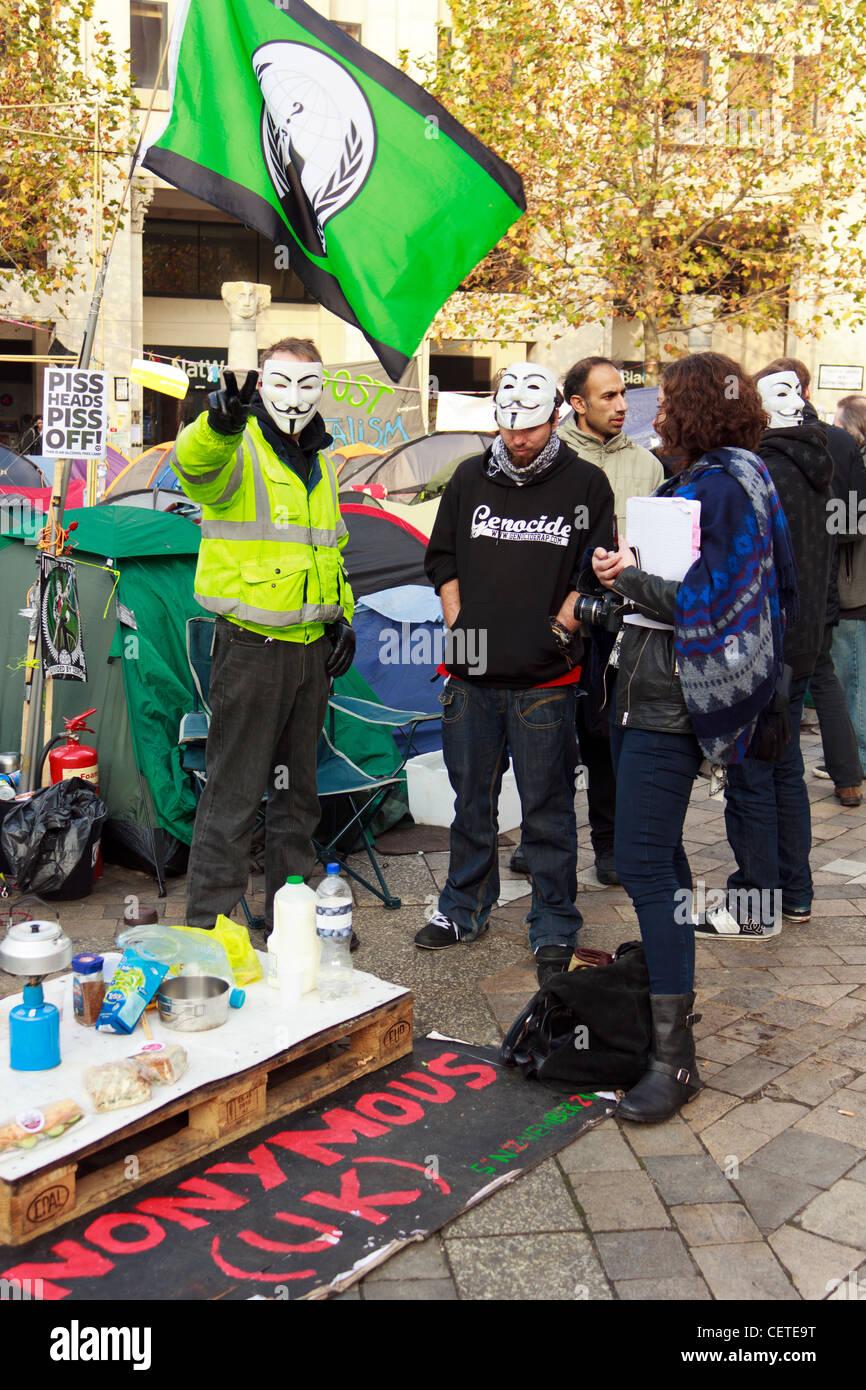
(525, 397)
(291, 390)
(780, 394)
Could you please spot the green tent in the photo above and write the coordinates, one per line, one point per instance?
(135, 572)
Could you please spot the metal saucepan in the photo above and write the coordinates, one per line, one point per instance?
(194, 1003)
(9, 763)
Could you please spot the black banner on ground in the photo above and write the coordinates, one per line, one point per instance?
(310, 1204)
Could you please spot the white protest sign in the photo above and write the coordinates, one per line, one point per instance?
(74, 414)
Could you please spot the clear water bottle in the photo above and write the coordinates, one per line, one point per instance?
(334, 930)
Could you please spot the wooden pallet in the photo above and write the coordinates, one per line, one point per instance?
(203, 1121)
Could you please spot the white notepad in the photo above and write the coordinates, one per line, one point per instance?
(666, 533)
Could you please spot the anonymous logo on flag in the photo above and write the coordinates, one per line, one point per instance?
(318, 135)
(62, 650)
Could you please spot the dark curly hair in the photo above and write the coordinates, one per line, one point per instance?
(709, 403)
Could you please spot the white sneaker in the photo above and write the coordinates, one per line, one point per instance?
(819, 770)
(720, 924)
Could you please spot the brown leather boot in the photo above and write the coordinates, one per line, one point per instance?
(849, 796)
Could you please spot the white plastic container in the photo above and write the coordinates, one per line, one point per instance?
(293, 941)
(431, 800)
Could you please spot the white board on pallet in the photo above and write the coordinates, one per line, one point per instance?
(251, 1034)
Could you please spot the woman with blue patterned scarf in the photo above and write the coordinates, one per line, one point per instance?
(693, 687)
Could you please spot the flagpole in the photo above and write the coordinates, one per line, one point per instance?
(96, 301)
(424, 383)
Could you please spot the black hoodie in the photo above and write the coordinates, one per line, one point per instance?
(516, 552)
(802, 469)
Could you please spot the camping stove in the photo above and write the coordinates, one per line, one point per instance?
(34, 949)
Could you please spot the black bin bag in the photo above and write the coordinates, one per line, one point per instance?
(49, 842)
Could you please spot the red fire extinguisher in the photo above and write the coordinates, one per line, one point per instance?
(75, 759)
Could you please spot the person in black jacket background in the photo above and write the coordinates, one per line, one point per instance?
(767, 813)
(849, 637)
(503, 556)
(841, 756)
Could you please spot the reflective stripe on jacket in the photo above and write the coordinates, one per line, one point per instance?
(270, 555)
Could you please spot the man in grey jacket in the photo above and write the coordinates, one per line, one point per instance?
(595, 390)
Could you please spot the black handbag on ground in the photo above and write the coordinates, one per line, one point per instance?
(773, 731)
(588, 1028)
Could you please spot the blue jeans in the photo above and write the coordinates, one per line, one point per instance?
(769, 827)
(849, 659)
(654, 776)
(480, 726)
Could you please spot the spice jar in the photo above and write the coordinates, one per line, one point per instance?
(88, 989)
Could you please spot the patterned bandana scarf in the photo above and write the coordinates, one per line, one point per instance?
(733, 605)
(500, 461)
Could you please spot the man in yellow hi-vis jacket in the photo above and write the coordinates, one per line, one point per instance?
(271, 568)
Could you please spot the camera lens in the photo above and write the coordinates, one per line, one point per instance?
(587, 609)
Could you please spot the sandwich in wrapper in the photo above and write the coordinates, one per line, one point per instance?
(31, 1127)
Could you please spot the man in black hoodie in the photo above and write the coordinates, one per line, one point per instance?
(841, 755)
(767, 812)
(504, 556)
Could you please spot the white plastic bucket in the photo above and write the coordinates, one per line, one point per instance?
(431, 800)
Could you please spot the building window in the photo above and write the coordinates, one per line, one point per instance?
(750, 96)
(807, 112)
(190, 260)
(353, 30)
(147, 38)
(460, 372)
(686, 90)
(750, 82)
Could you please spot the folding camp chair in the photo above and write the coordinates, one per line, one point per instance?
(192, 736)
(338, 776)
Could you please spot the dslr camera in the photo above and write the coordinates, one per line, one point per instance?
(600, 610)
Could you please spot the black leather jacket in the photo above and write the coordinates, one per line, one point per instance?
(648, 693)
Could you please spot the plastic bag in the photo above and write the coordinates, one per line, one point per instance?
(161, 1062)
(44, 838)
(174, 948)
(114, 1085)
(26, 1130)
(225, 951)
(235, 941)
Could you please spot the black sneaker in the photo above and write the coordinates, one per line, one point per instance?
(552, 960)
(517, 863)
(440, 932)
(605, 870)
(800, 915)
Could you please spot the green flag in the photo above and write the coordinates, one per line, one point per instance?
(382, 201)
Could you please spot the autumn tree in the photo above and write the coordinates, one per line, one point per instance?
(684, 162)
(64, 123)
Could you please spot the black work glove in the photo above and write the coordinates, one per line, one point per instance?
(230, 407)
(341, 636)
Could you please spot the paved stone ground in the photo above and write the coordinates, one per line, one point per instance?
(757, 1190)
